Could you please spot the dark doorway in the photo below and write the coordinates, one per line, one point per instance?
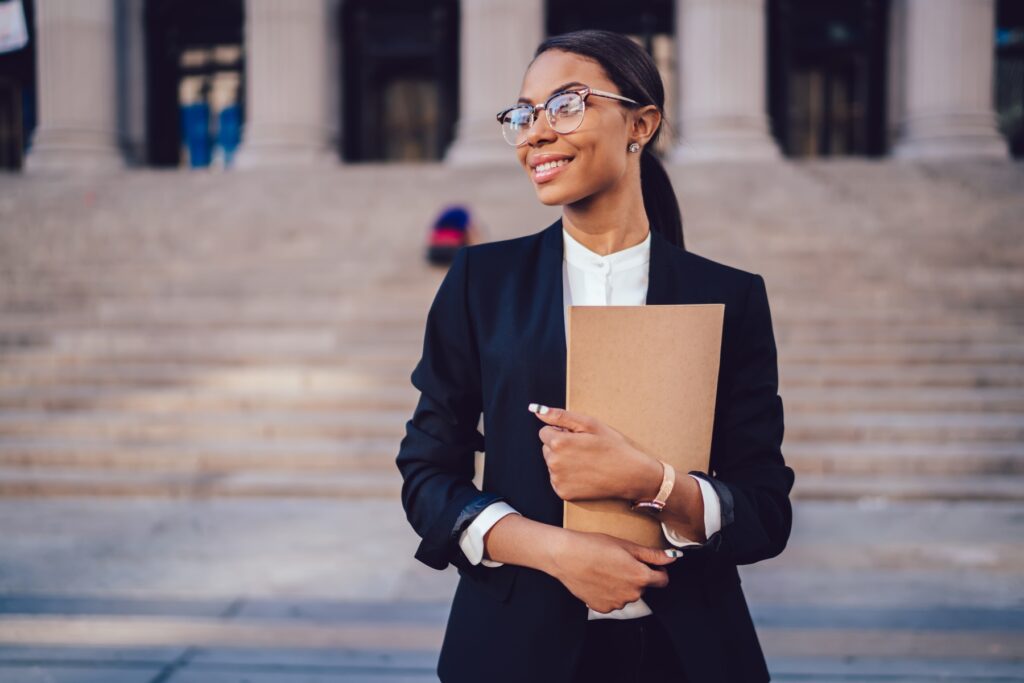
(1010, 73)
(646, 18)
(400, 66)
(195, 58)
(18, 96)
(826, 76)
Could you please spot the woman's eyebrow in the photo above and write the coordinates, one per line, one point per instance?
(561, 87)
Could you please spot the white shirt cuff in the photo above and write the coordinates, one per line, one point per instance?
(472, 538)
(712, 516)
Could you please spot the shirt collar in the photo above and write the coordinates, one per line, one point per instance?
(582, 257)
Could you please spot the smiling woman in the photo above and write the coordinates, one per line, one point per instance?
(535, 601)
(609, 98)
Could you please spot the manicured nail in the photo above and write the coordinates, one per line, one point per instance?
(533, 407)
(543, 410)
(672, 552)
(538, 408)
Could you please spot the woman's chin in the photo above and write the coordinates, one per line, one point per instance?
(550, 195)
(549, 199)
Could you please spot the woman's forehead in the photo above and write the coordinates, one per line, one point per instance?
(553, 69)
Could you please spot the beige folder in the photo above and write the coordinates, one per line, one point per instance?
(651, 372)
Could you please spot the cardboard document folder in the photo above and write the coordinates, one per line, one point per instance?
(651, 372)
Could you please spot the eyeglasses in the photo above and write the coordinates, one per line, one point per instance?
(564, 111)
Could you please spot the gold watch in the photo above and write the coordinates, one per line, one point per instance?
(657, 504)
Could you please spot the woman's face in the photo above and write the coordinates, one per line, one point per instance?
(597, 148)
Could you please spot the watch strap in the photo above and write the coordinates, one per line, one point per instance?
(657, 504)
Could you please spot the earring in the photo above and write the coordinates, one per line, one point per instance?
(634, 147)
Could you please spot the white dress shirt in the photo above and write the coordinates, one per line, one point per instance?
(590, 279)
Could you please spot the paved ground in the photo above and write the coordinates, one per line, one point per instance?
(147, 590)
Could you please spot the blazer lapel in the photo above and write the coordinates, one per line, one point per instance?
(661, 280)
(548, 373)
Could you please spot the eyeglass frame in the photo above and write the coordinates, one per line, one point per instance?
(584, 91)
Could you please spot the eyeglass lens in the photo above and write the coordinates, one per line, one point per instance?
(564, 112)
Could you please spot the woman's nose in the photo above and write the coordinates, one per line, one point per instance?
(540, 130)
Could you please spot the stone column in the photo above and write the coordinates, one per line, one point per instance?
(948, 52)
(76, 87)
(286, 75)
(131, 76)
(496, 43)
(722, 62)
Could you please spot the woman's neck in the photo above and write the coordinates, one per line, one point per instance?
(607, 222)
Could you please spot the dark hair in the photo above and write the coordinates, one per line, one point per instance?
(630, 68)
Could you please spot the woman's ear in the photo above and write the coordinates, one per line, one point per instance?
(646, 121)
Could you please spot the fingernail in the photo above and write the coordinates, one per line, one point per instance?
(672, 552)
(543, 410)
(533, 407)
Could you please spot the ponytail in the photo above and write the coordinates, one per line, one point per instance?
(660, 198)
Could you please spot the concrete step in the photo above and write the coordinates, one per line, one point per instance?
(906, 353)
(52, 481)
(859, 344)
(994, 488)
(1008, 375)
(866, 302)
(925, 428)
(285, 388)
(157, 343)
(266, 425)
(277, 425)
(411, 300)
(266, 390)
(905, 458)
(414, 294)
(365, 454)
(811, 400)
(334, 372)
(194, 455)
(401, 341)
(405, 345)
(336, 367)
(355, 323)
(385, 484)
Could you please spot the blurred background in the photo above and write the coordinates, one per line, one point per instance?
(216, 225)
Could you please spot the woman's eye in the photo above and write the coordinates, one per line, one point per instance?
(564, 105)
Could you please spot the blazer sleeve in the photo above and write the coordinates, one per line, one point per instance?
(436, 455)
(751, 477)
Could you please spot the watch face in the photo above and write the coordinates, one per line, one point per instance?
(648, 506)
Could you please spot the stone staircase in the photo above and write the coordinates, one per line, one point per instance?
(249, 334)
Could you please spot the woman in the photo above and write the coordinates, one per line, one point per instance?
(537, 602)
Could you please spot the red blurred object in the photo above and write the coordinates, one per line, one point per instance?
(447, 237)
(452, 229)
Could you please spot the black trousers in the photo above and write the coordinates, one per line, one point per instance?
(628, 651)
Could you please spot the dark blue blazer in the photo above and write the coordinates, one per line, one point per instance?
(495, 342)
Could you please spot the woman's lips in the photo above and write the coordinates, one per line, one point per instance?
(544, 176)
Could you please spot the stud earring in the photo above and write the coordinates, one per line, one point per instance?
(634, 147)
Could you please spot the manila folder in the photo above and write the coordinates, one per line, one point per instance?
(650, 372)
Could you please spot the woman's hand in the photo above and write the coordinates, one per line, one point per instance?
(606, 572)
(589, 459)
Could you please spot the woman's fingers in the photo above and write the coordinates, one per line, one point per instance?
(650, 555)
(569, 420)
(605, 578)
(658, 578)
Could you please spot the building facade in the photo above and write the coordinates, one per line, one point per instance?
(253, 83)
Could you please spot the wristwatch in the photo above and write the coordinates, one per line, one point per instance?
(656, 505)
